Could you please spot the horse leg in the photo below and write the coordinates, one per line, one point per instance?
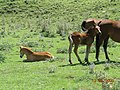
(105, 47)
(87, 53)
(75, 51)
(99, 40)
(70, 51)
(70, 47)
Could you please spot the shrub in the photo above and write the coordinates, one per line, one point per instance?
(46, 33)
(15, 35)
(28, 36)
(62, 50)
(2, 33)
(5, 46)
(62, 29)
(30, 44)
(2, 57)
(111, 43)
(45, 25)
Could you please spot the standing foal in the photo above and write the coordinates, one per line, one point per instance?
(86, 38)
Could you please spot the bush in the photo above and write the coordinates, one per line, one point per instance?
(46, 34)
(2, 57)
(30, 44)
(5, 46)
(62, 50)
(63, 29)
(111, 43)
(2, 33)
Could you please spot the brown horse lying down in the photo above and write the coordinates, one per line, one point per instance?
(34, 56)
(86, 38)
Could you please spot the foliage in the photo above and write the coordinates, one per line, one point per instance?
(40, 24)
(111, 43)
(63, 16)
(30, 44)
(5, 46)
(2, 57)
(62, 50)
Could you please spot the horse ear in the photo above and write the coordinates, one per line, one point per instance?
(99, 23)
(21, 47)
(83, 25)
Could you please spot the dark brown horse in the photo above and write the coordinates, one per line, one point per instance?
(86, 38)
(108, 28)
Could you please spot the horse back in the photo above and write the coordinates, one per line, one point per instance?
(43, 54)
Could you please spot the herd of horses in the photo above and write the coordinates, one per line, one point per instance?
(101, 29)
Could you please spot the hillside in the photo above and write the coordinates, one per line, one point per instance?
(54, 12)
(73, 9)
(44, 25)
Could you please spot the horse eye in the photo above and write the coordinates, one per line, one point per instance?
(94, 25)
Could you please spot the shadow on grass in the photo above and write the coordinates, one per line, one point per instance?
(69, 65)
(85, 64)
(103, 62)
(27, 61)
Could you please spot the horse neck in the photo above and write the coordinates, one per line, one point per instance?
(28, 52)
(91, 34)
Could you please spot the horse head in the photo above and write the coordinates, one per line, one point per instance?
(25, 50)
(91, 24)
(21, 52)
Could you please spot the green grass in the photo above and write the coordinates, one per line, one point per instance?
(36, 24)
(53, 75)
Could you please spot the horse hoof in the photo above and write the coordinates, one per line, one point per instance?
(108, 61)
(97, 60)
(81, 63)
(88, 63)
(70, 62)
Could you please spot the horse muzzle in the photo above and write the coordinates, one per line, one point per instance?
(100, 33)
(98, 29)
(21, 56)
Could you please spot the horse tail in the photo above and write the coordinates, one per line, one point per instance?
(52, 57)
(70, 43)
(97, 40)
(70, 38)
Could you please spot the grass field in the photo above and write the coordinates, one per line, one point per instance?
(44, 25)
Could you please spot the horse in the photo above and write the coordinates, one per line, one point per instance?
(108, 28)
(34, 56)
(86, 38)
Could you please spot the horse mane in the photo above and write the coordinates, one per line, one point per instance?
(26, 48)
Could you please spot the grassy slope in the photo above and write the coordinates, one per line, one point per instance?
(58, 74)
